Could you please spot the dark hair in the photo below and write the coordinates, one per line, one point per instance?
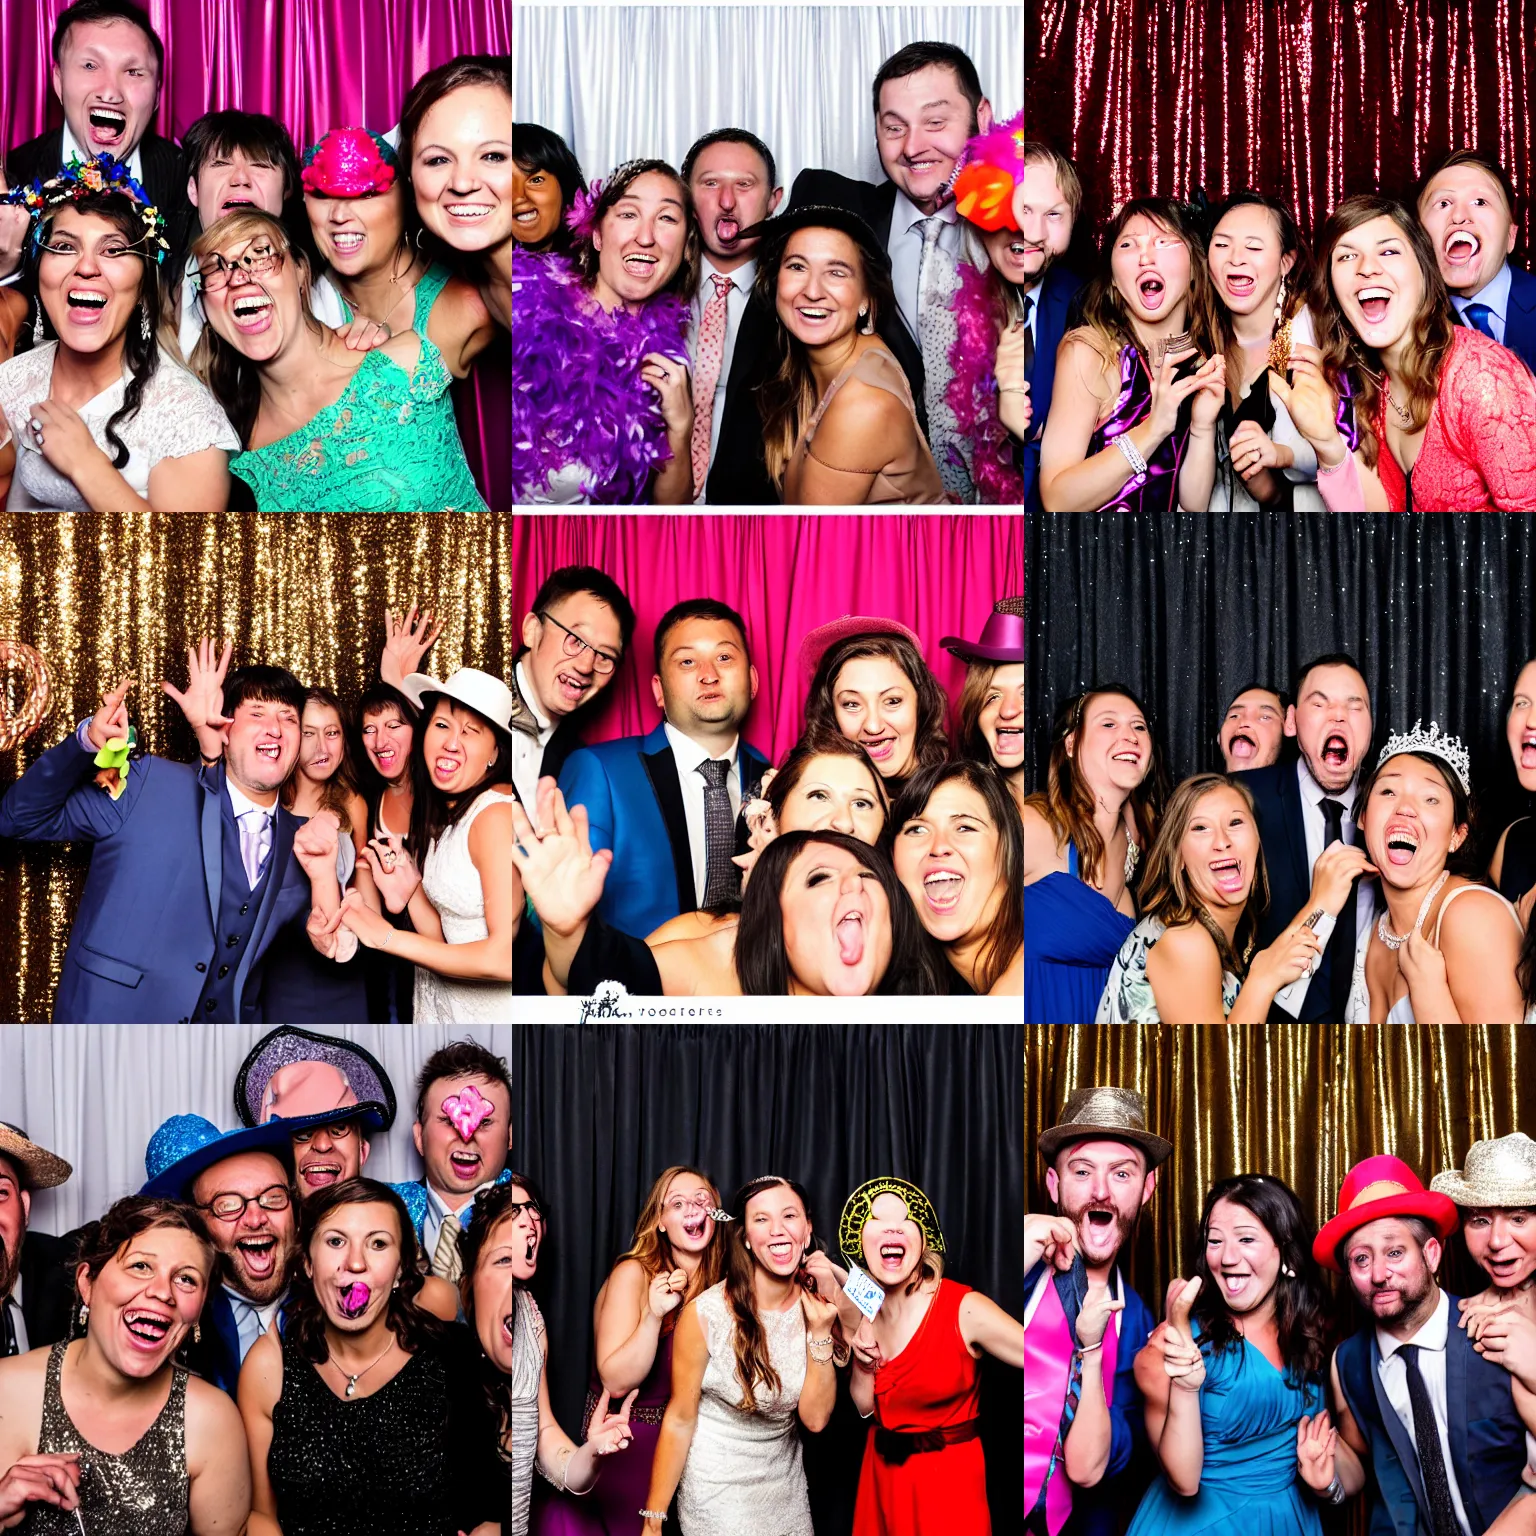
(731, 136)
(931, 744)
(411, 1324)
(762, 962)
(492, 1206)
(274, 685)
(1328, 659)
(1485, 163)
(141, 353)
(970, 739)
(696, 608)
(537, 148)
(1462, 861)
(460, 1058)
(256, 135)
(754, 1364)
(571, 579)
(1256, 687)
(916, 56)
(819, 741)
(1422, 1232)
(584, 253)
(87, 11)
(433, 812)
(376, 698)
(1005, 936)
(343, 784)
(1300, 1297)
(97, 1242)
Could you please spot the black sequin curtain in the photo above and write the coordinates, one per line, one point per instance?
(1308, 100)
(1440, 612)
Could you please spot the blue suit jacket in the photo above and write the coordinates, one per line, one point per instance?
(1520, 322)
(1486, 1435)
(1053, 302)
(635, 807)
(143, 938)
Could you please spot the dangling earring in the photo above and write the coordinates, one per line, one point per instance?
(1287, 1271)
(37, 326)
(866, 324)
(85, 1312)
(1280, 304)
(144, 320)
(197, 1333)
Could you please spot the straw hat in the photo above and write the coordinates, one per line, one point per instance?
(40, 1169)
(1105, 1114)
(1499, 1172)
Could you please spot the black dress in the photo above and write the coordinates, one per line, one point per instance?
(1518, 872)
(393, 1461)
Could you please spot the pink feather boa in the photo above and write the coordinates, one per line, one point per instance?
(972, 391)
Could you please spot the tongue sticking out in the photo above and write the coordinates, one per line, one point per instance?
(354, 1299)
(850, 940)
(1374, 310)
(726, 231)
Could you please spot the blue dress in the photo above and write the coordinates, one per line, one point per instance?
(1249, 1482)
(1072, 934)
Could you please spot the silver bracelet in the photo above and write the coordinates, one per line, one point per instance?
(1334, 1492)
(653, 1514)
(1133, 458)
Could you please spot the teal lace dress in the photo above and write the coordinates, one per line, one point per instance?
(389, 444)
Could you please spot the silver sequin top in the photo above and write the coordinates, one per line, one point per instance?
(527, 1369)
(143, 1492)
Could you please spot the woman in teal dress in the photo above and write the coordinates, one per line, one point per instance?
(1233, 1382)
(325, 429)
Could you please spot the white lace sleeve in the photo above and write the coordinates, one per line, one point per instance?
(180, 416)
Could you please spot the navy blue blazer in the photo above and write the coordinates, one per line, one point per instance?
(1486, 1435)
(143, 937)
(1276, 793)
(1053, 301)
(1520, 322)
(635, 807)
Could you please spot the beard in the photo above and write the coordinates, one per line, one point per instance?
(10, 1267)
(1409, 1296)
(1094, 1237)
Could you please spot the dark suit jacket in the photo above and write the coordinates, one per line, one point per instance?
(47, 1291)
(1276, 792)
(739, 475)
(1520, 322)
(1053, 300)
(876, 206)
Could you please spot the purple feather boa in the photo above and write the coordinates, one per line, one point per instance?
(972, 393)
(577, 395)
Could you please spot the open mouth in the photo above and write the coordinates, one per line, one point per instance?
(107, 125)
(444, 769)
(1242, 748)
(1010, 741)
(573, 685)
(506, 1329)
(318, 1175)
(1234, 1285)
(252, 312)
(1151, 291)
(347, 243)
(1130, 758)
(941, 889)
(892, 1256)
(639, 266)
(1100, 1218)
(470, 213)
(1227, 874)
(727, 230)
(923, 167)
(86, 306)
(880, 748)
(259, 1253)
(1462, 248)
(1528, 749)
(386, 757)
(1374, 303)
(271, 750)
(465, 1165)
(1402, 844)
(1239, 284)
(814, 316)
(354, 1298)
(236, 202)
(525, 215)
(850, 932)
(1335, 751)
(147, 1329)
(782, 1252)
(693, 1226)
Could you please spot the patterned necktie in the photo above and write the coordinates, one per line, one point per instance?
(1476, 315)
(446, 1261)
(1426, 1439)
(1029, 337)
(255, 841)
(722, 879)
(707, 375)
(936, 332)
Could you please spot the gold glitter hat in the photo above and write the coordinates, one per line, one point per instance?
(1105, 1114)
(856, 1213)
(1499, 1172)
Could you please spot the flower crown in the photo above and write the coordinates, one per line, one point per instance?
(1447, 748)
(86, 178)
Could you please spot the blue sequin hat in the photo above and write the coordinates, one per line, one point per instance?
(186, 1144)
(307, 1079)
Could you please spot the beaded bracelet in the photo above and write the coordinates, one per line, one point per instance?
(1133, 457)
(653, 1514)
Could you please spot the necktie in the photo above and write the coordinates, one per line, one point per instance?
(937, 333)
(255, 841)
(1426, 1438)
(8, 1344)
(707, 375)
(445, 1257)
(1333, 821)
(721, 878)
(1476, 315)
(1029, 338)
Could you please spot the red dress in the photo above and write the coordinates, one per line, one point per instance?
(934, 1383)
(1478, 453)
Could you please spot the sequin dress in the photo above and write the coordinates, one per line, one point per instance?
(143, 1491)
(1160, 491)
(527, 1370)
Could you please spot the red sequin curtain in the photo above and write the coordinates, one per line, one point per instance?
(1307, 100)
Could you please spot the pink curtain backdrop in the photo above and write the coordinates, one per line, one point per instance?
(314, 65)
(939, 575)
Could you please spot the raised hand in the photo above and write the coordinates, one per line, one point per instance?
(1169, 393)
(1423, 968)
(1506, 1336)
(1093, 1317)
(1210, 391)
(1051, 1238)
(111, 718)
(1338, 866)
(203, 701)
(394, 870)
(819, 1314)
(666, 1293)
(1311, 403)
(562, 875)
(1181, 1355)
(375, 930)
(1315, 1440)
(865, 1346)
(314, 844)
(672, 382)
(38, 1480)
(362, 334)
(610, 1432)
(407, 638)
(1290, 957)
(1253, 450)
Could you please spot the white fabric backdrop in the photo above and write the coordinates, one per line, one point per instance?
(630, 82)
(94, 1094)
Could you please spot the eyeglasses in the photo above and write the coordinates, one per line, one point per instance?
(338, 1132)
(519, 1206)
(574, 645)
(257, 262)
(231, 1207)
(701, 1202)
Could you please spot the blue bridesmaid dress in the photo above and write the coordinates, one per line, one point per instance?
(1072, 934)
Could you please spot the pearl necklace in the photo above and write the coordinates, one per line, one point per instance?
(1397, 940)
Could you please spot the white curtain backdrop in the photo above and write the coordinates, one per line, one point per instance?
(629, 82)
(94, 1094)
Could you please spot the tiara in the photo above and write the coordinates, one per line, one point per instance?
(84, 178)
(1436, 743)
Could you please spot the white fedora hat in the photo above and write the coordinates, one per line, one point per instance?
(1499, 1172)
(484, 694)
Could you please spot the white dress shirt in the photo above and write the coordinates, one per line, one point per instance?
(688, 754)
(735, 307)
(251, 1321)
(1495, 294)
(1393, 1372)
(438, 1211)
(906, 251)
(528, 751)
(243, 803)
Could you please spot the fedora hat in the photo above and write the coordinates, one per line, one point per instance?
(184, 1145)
(297, 1076)
(484, 694)
(1105, 1114)
(1002, 636)
(40, 1169)
(1378, 1187)
(1499, 1172)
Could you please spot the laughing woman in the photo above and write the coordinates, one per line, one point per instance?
(990, 723)
(1203, 895)
(165, 1451)
(546, 177)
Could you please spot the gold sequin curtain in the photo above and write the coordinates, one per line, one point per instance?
(100, 597)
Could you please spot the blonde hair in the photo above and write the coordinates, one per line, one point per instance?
(650, 1247)
(1067, 179)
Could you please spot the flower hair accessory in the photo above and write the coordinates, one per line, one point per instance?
(1435, 743)
(87, 178)
(991, 167)
(349, 162)
(581, 220)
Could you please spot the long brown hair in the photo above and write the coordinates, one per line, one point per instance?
(753, 1365)
(1429, 342)
(98, 1242)
(821, 741)
(650, 1246)
(1067, 802)
(343, 785)
(585, 254)
(1165, 892)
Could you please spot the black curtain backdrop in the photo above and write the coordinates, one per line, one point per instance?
(1440, 613)
(599, 1111)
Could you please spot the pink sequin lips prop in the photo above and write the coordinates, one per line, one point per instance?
(467, 1110)
(354, 1298)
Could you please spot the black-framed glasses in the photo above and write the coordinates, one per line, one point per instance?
(338, 1132)
(231, 1207)
(258, 261)
(519, 1206)
(574, 645)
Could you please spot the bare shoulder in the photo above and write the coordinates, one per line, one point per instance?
(404, 347)
(261, 1376)
(1187, 946)
(862, 417)
(1041, 845)
(212, 1418)
(22, 1378)
(1470, 925)
(439, 1298)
